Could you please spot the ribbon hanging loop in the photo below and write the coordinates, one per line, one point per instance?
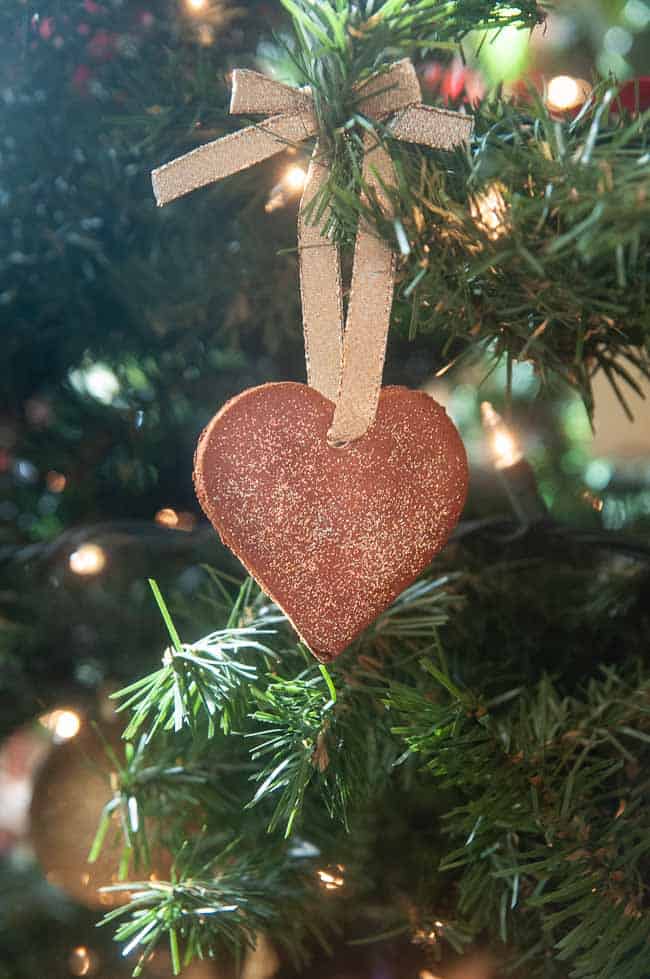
(345, 366)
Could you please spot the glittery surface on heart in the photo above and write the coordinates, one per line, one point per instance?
(332, 535)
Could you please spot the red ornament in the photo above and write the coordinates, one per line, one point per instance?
(101, 46)
(81, 79)
(453, 81)
(333, 535)
(633, 96)
(46, 28)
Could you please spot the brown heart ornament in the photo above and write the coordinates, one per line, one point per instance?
(332, 535)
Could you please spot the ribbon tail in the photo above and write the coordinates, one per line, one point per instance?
(320, 287)
(256, 94)
(230, 154)
(441, 129)
(366, 332)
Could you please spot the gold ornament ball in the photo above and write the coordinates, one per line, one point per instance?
(70, 792)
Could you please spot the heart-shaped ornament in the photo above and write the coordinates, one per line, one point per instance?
(332, 535)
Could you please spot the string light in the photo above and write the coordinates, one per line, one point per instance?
(80, 961)
(516, 474)
(428, 936)
(332, 880)
(293, 181)
(89, 559)
(295, 178)
(64, 724)
(167, 517)
(565, 93)
(55, 481)
(175, 519)
(489, 211)
(196, 6)
(504, 447)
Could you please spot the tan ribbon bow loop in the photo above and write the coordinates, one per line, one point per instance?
(241, 150)
(345, 367)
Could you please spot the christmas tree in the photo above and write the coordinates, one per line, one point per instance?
(462, 791)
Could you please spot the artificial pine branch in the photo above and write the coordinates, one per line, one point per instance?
(548, 781)
(541, 790)
(202, 680)
(220, 905)
(555, 273)
(296, 716)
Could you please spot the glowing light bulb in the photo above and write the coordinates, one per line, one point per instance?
(64, 724)
(504, 447)
(489, 211)
(332, 879)
(89, 559)
(79, 961)
(295, 177)
(196, 6)
(55, 481)
(565, 93)
(167, 517)
(97, 380)
(291, 184)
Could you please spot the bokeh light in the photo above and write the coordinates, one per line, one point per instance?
(565, 93)
(504, 447)
(55, 481)
(166, 517)
(332, 879)
(293, 181)
(63, 723)
(295, 177)
(97, 381)
(89, 559)
(489, 211)
(80, 961)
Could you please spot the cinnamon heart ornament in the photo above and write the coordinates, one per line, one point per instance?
(332, 535)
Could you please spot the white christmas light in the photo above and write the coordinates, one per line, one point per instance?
(565, 92)
(504, 447)
(332, 880)
(291, 184)
(79, 961)
(96, 380)
(489, 210)
(89, 559)
(295, 178)
(64, 724)
(196, 6)
(167, 517)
